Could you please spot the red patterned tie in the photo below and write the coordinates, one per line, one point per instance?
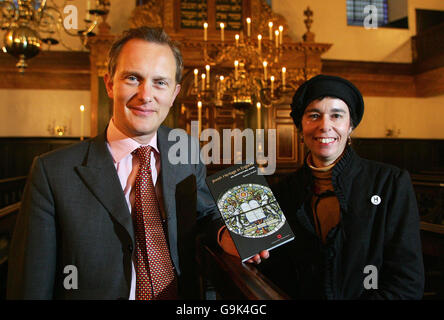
(155, 278)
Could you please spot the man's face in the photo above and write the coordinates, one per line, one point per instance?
(143, 88)
(326, 128)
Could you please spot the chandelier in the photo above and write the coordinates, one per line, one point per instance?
(29, 23)
(248, 71)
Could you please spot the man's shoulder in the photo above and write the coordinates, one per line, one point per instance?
(70, 153)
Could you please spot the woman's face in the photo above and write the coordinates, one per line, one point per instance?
(326, 128)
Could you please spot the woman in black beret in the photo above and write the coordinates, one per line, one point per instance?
(355, 221)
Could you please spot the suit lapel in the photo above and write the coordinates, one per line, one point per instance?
(100, 176)
(168, 173)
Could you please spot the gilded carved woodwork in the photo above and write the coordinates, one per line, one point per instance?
(149, 14)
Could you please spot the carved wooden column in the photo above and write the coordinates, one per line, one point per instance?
(99, 46)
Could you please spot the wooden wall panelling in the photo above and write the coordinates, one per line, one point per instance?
(56, 70)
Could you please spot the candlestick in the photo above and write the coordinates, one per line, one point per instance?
(284, 70)
(236, 64)
(259, 43)
(203, 81)
(237, 40)
(205, 31)
(265, 69)
(207, 67)
(82, 112)
(196, 83)
(270, 30)
(221, 83)
(281, 34)
(88, 7)
(217, 88)
(248, 27)
(272, 85)
(258, 106)
(199, 116)
(222, 26)
(277, 38)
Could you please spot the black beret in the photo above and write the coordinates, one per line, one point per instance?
(331, 86)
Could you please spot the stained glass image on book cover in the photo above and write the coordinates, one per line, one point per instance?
(249, 209)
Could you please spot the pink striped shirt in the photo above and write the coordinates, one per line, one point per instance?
(127, 166)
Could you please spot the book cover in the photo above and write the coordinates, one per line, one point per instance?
(249, 209)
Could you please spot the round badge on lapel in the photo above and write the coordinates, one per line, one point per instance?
(375, 200)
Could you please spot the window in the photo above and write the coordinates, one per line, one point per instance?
(356, 15)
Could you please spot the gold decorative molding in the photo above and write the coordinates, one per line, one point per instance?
(149, 15)
(261, 11)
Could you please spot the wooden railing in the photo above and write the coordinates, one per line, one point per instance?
(226, 277)
(428, 46)
(11, 190)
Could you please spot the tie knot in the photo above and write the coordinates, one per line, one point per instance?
(144, 155)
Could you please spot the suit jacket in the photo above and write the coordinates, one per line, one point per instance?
(74, 214)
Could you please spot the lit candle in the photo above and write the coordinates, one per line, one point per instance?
(221, 78)
(277, 38)
(205, 31)
(207, 67)
(203, 81)
(265, 69)
(270, 30)
(196, 83)
(281, 34)
(88, 7)
(222, 26)
(237, 40)
(236, 64)
(284, 70)
(248, 27)
(258, 106)
(82, 112)
(272, 85)
(199, 116)
(259, 45)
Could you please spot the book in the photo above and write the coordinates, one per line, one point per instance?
(249, 209)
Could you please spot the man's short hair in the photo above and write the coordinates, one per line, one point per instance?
(155, 35)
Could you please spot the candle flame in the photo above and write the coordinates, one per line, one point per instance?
(82, 108)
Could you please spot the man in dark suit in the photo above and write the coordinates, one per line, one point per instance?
(75, 237)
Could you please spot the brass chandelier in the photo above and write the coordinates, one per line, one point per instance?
(29, 23)
(243, 73)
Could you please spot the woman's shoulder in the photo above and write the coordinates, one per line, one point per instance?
(380, 169)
